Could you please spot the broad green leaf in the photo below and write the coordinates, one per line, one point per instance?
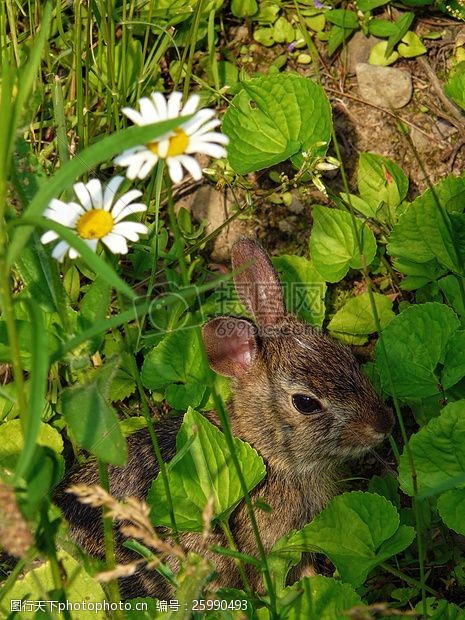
(357, 531)
(322, 597)
(438, 452)
(440, 609)
(410, 359)
(455, 85)
(380, 57)
(303, 287)
(24, 331)
(177, 362)
(369, 5)
(454, 360)
(343, 18)
(381, 183)
(381, 28)
(426, 233)
(12, 441)
(333, 246)
(356, 318)
(38, 584)
(337, 36)
(451, 287)
(451, 507)
(243, 8)
(94, 307)
(411, 46)
(274, 117)
(92, 421)
(283, 32)
(204, 471)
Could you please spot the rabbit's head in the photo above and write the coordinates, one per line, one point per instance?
(301, 398)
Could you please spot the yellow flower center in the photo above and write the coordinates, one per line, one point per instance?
(177, 144)
(95, 224)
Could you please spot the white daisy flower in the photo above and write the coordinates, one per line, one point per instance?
(96, 217)
(175, 147)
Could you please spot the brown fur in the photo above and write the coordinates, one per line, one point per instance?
(279, 357)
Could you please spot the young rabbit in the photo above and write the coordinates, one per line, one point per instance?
(300, 399)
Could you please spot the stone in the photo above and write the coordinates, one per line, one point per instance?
(384, 86)
(358, 50)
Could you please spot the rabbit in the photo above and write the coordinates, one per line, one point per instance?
(299, 398)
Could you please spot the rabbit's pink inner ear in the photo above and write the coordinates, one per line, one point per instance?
(230, 345)
(258, 284)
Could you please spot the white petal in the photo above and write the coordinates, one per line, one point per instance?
(48, 236)
(207, 148)
(191, 105)
(135, 207)
(192, 166)
(148, 111)
(130, 230)
(94, 187)
(201, 117)
(174, 104)
(160, 106)
(174, 169)
(133, 115)
(67, 217)
(60, 250)
(125, 200)
(134, 164)
(147, 166)
(83, 195)
(208, 126)
(115, 243)
(72, 253)
(126, 155)
(110, 192)
(212, 136)
(92, 243)
(163, 146)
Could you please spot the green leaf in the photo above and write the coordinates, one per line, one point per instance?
(333, 245)
(411, 46)
(369, 5)
(438, 452)
(283, 32)
(337, 36)
(403, 23)
(243, 8)
(424, 232)
(405, 356)
(274, 117)
(303, 287)
(322, 597)
(12, 441)
(343, 18)
(440, 609)
(92, 421)
(204, 471)
(381, 28)
(94, 307)
(381, 182)
(455, 85)
(39, 585)
(454, 360)
(357, 531)
(379, 55)
(177, 362)
(451, 507)
(356, 316)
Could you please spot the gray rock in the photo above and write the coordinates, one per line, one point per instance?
(384, 86)
(358, 50)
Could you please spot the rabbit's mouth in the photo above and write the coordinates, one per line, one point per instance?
(359, 440)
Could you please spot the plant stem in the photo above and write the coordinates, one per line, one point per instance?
(109, 540)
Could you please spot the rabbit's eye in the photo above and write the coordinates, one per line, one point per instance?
(306, 404)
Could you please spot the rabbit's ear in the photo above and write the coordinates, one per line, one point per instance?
(258, 284)
(230, 345)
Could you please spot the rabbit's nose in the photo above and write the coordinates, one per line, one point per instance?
(384, 421)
